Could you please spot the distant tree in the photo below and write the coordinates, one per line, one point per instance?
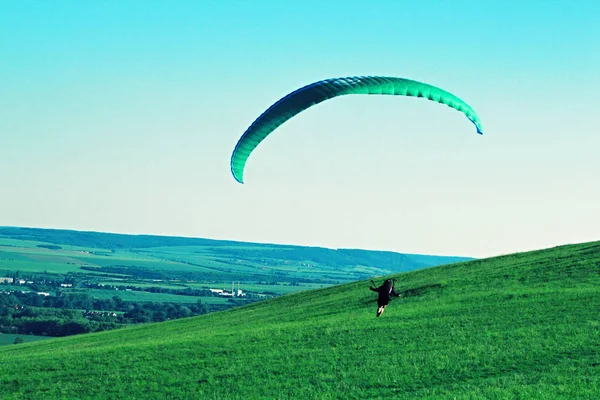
(70, 278)
(49, 246)
(199, 308)
(74, 328)
(18, 340)
(159, 316)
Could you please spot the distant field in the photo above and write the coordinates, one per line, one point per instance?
(144, 284)
(33, 244)
(33, 266)
(26, 257)
(153, 297)
(9, 339)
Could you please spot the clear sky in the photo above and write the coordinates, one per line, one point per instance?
(121, 116)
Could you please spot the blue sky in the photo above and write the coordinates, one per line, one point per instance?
(121, 116)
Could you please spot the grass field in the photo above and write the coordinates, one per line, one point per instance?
(9, 339)
(521, 326)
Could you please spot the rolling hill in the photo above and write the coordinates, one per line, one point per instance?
(169, 247)
(196, 259)
(517, 326)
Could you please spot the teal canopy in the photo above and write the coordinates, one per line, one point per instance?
(315, 93)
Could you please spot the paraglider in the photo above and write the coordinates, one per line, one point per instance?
(315, 93)
(385, 292)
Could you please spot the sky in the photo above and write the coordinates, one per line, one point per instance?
(121, 116)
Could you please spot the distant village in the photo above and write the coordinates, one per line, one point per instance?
(13, 281)
(23, 282)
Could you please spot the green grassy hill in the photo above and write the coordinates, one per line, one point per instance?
(512, 327)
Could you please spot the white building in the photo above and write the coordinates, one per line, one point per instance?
(233, 293)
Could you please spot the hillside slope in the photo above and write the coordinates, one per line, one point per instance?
(517, 326)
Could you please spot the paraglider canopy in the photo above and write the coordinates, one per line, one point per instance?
(315, 93)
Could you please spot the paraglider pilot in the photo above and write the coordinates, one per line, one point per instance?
(385, 293)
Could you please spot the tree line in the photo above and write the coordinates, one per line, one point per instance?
(75, 313)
